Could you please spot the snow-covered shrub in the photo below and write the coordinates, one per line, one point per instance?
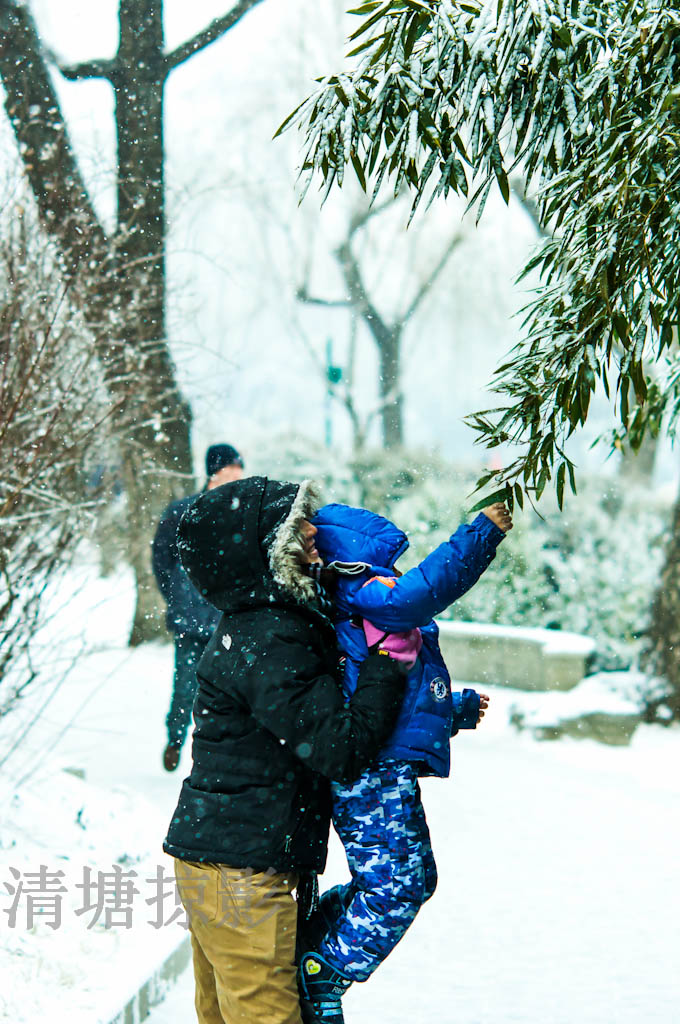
(53, 436)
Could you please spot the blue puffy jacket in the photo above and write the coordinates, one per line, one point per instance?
(369, 545)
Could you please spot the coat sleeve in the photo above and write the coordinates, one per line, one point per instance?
(465, 710)
(411, 600)
(289, 695)
(164, 554)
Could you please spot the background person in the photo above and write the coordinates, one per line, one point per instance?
(190, 618)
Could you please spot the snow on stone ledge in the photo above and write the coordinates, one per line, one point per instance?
(595, 693)
(517, 656)
(553, 640)
(599, 708)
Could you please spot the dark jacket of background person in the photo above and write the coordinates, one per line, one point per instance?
(188, 612)
(271, 725)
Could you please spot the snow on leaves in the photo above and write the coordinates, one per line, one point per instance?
(580, 99)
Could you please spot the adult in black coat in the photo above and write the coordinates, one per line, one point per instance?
(190, 618)
(271, 730)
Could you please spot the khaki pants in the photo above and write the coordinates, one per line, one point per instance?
(243, 927)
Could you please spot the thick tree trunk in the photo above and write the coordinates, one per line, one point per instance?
(662, 654)
(392, 409)
(122, 281)
(163, 421)
(388, 342)
(33, 110)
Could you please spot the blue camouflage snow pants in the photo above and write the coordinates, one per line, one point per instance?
(188, 652)
(381, 822)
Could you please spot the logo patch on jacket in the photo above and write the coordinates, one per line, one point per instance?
(226, 641)
(438, 688)
(389, 581)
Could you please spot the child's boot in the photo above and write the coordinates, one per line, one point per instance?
(321, 991)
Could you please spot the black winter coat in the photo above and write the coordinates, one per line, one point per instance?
(188, 611)
(271, 724)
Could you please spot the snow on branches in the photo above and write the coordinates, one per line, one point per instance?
(580, 98)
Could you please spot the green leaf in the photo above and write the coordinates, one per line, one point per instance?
(411, 37)
(482, 202)
(284, 124)
(358, 170)
(364, 46)
(560, 485)
(625, 383)
(620, 326)
(504, 186)
(572, 478)
(458, 143)
(666, 335)
(490, 499)
(543, 478)
(376, 16)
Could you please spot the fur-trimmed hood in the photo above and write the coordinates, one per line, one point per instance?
(240, 544)
(287, 546)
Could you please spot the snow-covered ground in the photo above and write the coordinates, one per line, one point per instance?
(107, 722)
(557, 900)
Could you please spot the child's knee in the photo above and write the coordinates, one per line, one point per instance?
(415, 884)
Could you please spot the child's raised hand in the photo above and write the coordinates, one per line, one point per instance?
(498, 514)
(483, 705)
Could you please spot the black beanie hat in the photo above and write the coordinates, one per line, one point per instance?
(220, 455)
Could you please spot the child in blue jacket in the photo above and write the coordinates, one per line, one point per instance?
(380, 818)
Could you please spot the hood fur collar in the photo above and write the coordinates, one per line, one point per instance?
(284, 554)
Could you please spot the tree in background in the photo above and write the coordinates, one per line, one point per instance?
(385, 329)
(583, 97)
(122, 272)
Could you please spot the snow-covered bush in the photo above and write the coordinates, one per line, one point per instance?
(53, 436)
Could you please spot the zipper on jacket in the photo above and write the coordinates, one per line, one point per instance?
(291, 835)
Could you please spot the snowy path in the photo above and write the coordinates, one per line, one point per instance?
(558, 897)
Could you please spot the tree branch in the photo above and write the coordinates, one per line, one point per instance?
(89, 69)
(213, 32)
(302, 295)
(34, 113)
(359, 299)
(361, 217)
(429, 281)
(519, 186)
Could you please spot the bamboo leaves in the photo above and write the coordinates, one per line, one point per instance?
(582, 97)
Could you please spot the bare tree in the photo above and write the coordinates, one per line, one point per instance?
(124, 270)
(386, 330)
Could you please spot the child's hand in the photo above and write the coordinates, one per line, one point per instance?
(483, 705)
(499, 515)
